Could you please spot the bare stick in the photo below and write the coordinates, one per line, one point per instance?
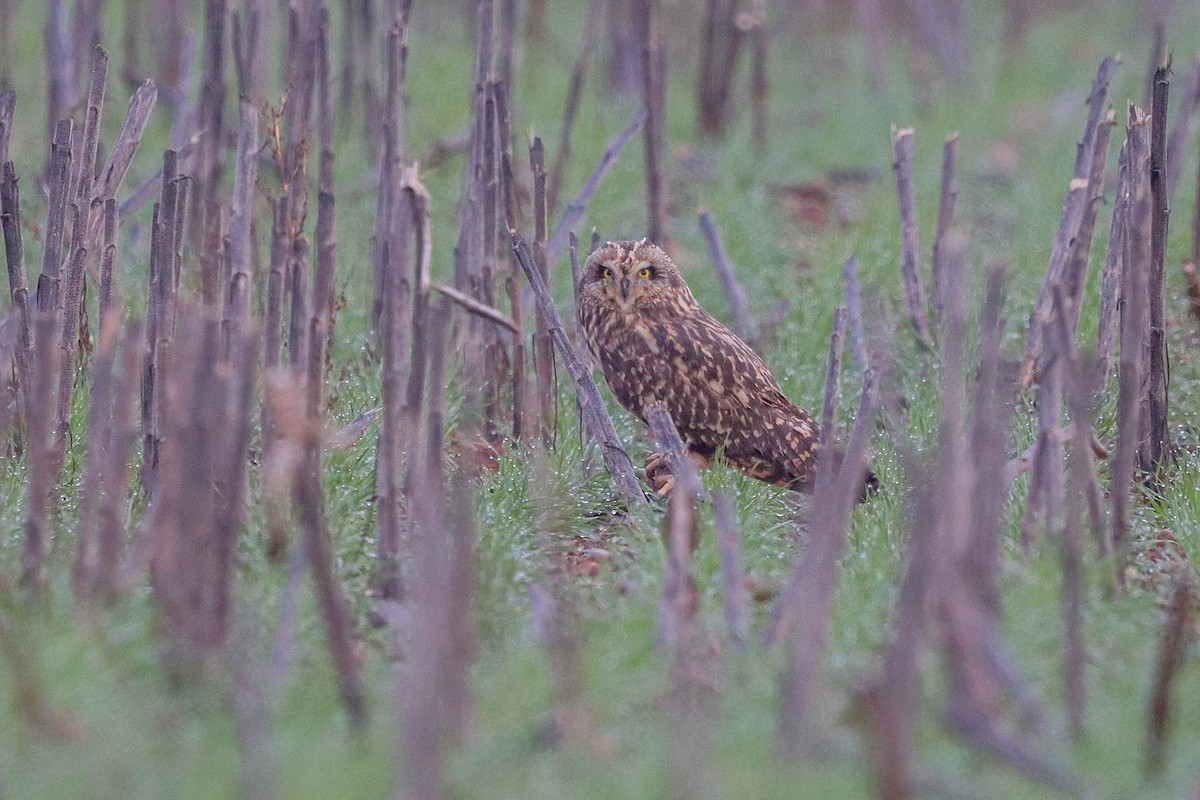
(59, 177)
(83, 166)
(575, 209)
(1179, 134)
(590, 26)
(739, 307)
(259, 767)
(1134, 331)
(758, 72)
(990, 423)
(1069, 222)
(10, 217)
(122, 439)
(393, 152)
(148, 189)
(595, 415)
(833, 380)
(737, 599)
(8, 98)
(99, 436)
(945, 216)
(802, 613)
(1111, 279)
(654, 81)
(108, 257)
(977, 729)
(334, 610)
(82, 177)
(680, 598)
(475, 307)
(1075, 271)
(910, 268)
(60, 90)
(1158, 50)
(1157, 407)
(1172, 655)
(858, 347)
(241, 214)
(691, 749)
(543, 354)
(41, 392)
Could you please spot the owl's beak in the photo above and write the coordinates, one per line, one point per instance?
(624, 288)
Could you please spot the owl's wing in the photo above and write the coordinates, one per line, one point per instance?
(711, 353)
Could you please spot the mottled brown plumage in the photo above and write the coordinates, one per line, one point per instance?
(654, 342)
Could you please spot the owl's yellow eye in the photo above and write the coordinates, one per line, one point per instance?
(606, 273)
(645, 272)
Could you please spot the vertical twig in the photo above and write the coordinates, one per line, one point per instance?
(595, 415)
(543, 354)
(812, 583)
(1134, 329)
(914, 292)
(654, 100)
(1075, 272)
(1172, 654)
(858, 347)
(1112, 277)
(758, 72)
(739, 307)
(236, 277)
(591, 27)
(39, 424)
(10, 217)
(949, 193)
(1159, 445)
(737, 599)
(58, 177)
(1069, 222)
(1179, 133)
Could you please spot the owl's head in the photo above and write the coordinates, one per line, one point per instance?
(634, 277)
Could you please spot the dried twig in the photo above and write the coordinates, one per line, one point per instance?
(543, 354)
(914, 293)
(858, 347)
(1179, 133)
(475, 307)
(1178, 634)
(1066, 238)
(590, 27)
(1134, 329)
(739, 307)
(1157, 443)
(1074, 277)
(39, 425)
(949, 193)
(574, 210)
(806, 601)
(1112, 277)
(58, 177)
(10, 217)
(737, 600)
(654, 100)
(595, 415)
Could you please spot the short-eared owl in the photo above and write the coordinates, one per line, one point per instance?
(654, 342)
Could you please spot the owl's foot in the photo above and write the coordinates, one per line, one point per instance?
(659, 475)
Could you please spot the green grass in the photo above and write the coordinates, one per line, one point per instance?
(144, 738)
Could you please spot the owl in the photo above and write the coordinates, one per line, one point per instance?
(654, 343)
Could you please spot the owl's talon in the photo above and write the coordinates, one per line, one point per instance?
(658, 474)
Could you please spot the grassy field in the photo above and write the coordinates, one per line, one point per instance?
(1019, 115)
